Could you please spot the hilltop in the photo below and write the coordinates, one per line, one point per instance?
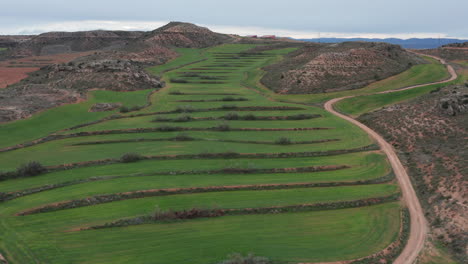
(319, 68)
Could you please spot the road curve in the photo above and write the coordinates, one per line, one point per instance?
(418, 226)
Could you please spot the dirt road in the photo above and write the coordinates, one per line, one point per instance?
(419, 226)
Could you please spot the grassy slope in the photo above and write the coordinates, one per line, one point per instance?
(62, 117)
(419, 74)
(362, 104)
(311, 236)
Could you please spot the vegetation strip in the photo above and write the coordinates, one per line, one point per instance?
(21, 193)
(235, 116)
(108, 198)
(188, 138)
(204, 213)
(221, 128)
(223, 155)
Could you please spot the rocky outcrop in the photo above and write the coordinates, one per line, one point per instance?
(185, 35)
(321, 68)
(454, 104)
(104, 107)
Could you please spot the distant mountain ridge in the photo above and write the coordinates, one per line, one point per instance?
(412, 43)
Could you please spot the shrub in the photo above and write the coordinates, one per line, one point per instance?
(223, 127)
(136, 108)
(231, 116)
(183, 118)
(283, 141)
(249, 117)
(176, 93)
(32, 168)
(124, 109)
(167, 128)
(237, 258)
(184, 109)
(176, 80)
(228, 106)
(131, 157)
(183, 137)
(299, 117)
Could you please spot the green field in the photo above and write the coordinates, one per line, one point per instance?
(213, 98)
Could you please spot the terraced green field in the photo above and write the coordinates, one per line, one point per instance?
(288, 181)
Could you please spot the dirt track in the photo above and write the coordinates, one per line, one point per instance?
(419, 226)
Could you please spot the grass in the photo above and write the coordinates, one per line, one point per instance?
(44, 123)
(286, 238)
(363, 104)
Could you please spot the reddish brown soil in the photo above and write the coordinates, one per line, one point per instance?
(14, 70)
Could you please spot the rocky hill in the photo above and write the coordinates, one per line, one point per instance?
(319, 68)
(116, 63)
(430, 134)
(185, 35)
(66, 42)
(455, 51)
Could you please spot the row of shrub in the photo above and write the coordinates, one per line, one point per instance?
(107, 198)
(29, 169)
(235, 116)
(224, 99)
(177, 92)
(170, 215)
(186, 137)
(35, 168)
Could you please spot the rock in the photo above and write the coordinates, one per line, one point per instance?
(454, 103)
(103, 107)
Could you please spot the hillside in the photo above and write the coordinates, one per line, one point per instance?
(321, 68)
(455, 51)
(110, 60)
(430, 135)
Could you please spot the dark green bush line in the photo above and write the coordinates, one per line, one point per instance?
(225, 99)
(221, 127)
(389, 254)
(29, 169)
(188, 138)
(223, 155)
(235, 116)
(107, 198)
(12, 195)
(184, 93)
(168, 216)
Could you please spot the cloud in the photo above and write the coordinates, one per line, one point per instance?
(241, 30)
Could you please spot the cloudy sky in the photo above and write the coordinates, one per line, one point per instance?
(295, 18)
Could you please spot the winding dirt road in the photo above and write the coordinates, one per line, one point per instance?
(419, 226)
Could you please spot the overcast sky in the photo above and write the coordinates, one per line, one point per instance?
(295, 18)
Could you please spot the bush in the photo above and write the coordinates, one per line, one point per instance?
(223, 127)
(32, 168)
(176, 93)
(249, 117)
(228, 106)
(237, 258)
(183, 137)
(299, 117)
(283, 141)
(230, 99)
(176, 80)
(124, 109)
(184, 109)
(183, 118)
(231, 116)
(131, 157)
